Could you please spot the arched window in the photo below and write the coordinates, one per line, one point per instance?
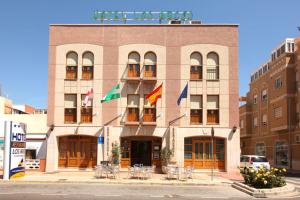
(71, 65)
(212, 66)
(150, 65)
(133, 65)
(196, 66)
(87, 66)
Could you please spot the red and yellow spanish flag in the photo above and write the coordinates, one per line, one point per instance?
(153, 96)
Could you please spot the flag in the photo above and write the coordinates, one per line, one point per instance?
(112, 94)
(153, 96)
(183, 94)
(88, 96)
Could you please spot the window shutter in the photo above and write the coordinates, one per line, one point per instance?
(212, 102)
(196, 102)
(70, 101)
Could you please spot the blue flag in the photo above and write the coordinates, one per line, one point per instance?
(183, 94)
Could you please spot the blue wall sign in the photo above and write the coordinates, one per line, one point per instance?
(101, 140)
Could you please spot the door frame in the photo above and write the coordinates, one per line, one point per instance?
(218, 164)
(155, 142)
(81, 162)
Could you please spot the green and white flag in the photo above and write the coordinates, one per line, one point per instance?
(112, 94)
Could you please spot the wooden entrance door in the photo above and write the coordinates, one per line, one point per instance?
(202, 154)
(198, 153)
(77, 151)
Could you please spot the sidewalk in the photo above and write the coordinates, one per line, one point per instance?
(203, 179)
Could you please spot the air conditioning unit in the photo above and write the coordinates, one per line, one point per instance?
(297, 138)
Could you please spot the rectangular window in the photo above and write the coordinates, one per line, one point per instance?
(254, 122)
(30, 154)
(264, 120)
(188, 148)
(242, 124)
(212, 73)
(196, 73)
(264, 95)
(278, 112)
(149, 114)
(281, 154)
(133, 101)
(70, 108)
(133, 70)
(260, 149)
(278, 83)
(86, 110)
(196, 109)
(87, 72)
(212, 109)
(71, 72)
(150, 71)
(255, 99)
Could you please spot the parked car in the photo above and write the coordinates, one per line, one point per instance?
(254, 161)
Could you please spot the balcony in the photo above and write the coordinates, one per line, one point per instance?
(149, 117)
(149, 73)
(132, 73)
(132, 118)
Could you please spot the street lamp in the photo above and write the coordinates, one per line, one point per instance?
(212, 152)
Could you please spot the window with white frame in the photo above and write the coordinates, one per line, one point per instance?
(264, 119)
(242, 123)
(255, 122)
(255, 99)
(278, 83)
(264, 95)
(278, 112)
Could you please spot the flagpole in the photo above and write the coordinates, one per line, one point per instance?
(186, 98)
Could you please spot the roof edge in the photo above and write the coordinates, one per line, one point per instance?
(236, 25)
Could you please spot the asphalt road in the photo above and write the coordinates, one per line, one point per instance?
(68, 191)
(34, 191)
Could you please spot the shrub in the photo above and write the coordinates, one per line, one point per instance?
(264, 178)
(166, 154)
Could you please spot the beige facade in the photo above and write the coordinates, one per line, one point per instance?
(118, 49)
(270, 118)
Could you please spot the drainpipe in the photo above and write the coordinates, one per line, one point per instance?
(290, 137)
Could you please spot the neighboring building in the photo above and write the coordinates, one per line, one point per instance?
(269, 120)
(36, 131)
(5, 105)
(141, 57)
(23, 109)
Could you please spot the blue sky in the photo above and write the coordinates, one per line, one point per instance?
(24, 34)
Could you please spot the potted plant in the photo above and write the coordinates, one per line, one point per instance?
(166, 155)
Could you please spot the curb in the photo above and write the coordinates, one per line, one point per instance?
(288, 190)
(116, 182)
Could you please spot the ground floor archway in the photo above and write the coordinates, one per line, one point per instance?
(77, 151)
(140, 150)
(198, 153)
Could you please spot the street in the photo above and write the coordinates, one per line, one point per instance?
(35, 191)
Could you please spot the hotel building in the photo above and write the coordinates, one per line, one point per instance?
(140, 57)
(269, 120)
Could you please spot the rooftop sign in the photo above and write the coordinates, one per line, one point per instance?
(142, 16)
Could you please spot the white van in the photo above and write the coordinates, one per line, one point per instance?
(254, 161)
